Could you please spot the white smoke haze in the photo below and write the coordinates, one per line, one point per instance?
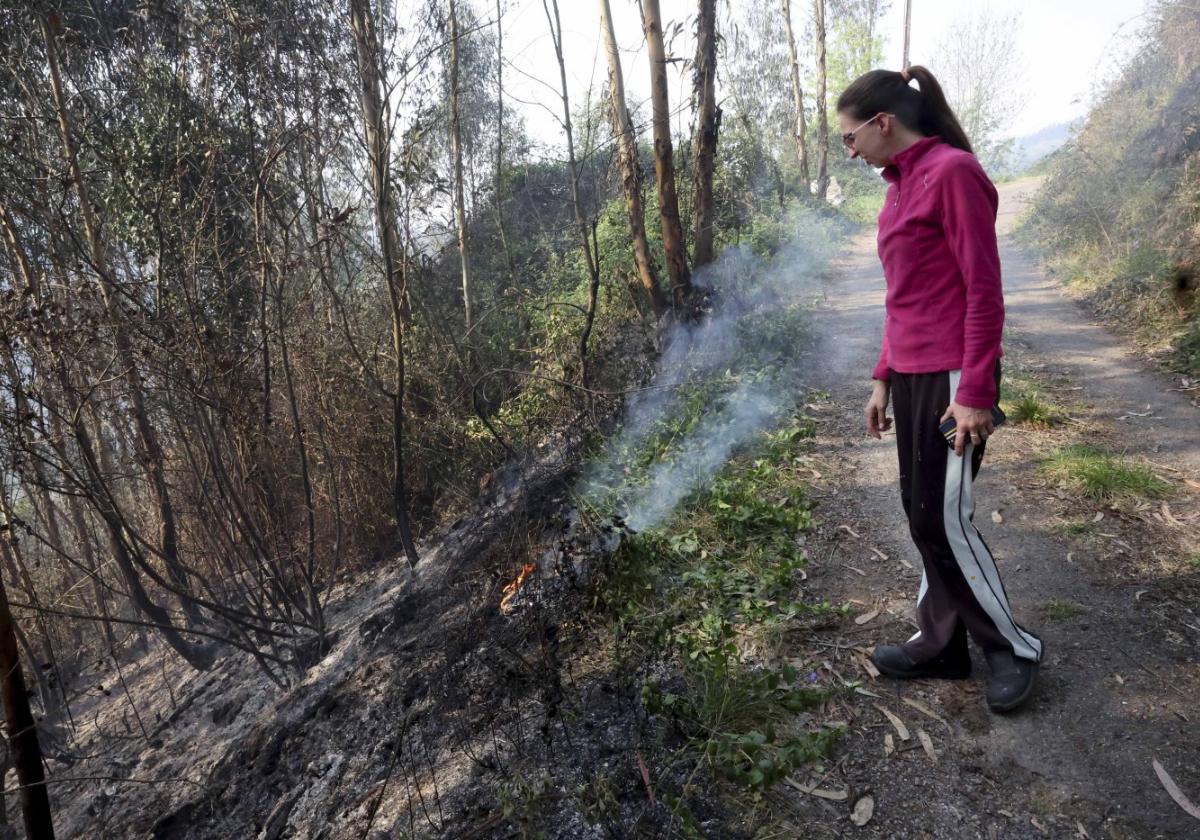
(747, 410)
(732, 346)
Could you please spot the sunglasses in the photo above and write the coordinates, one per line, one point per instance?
(848, 137)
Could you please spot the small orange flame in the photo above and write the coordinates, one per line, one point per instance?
(513, 587)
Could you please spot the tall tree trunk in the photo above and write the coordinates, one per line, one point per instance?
(631, 170)
(707, 128)
(590, 253)
(300, 434)
(801, 130)
(151, 449)
(460, 209)
(664, 163)
(822, 119)
(907, 29)
(499, 199)
(362, 23)
(22, 733)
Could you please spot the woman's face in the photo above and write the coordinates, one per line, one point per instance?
(866, 138)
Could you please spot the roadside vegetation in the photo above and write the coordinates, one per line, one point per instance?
(695, 608)
(1101, 476)
(1024, 400)
(1118, 216)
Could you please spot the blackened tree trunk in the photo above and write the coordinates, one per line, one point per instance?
(707, 128)
(370, 72)
(22, 734)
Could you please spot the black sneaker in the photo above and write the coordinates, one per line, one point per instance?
(1012, 680)
(892, 661)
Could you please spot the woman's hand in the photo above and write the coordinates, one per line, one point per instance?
(976, 422)
(876, 410)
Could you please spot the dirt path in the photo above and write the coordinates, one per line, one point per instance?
(1113, 601)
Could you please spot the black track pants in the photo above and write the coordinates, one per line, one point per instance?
(960, 585)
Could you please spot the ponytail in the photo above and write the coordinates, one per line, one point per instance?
(925, 110)
(937, 117)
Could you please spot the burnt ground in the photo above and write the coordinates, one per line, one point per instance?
(1111, 590)
(434, 714)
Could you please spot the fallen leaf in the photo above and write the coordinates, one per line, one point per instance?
(1167, 515)
(927, 744)
(1008, 814)
(889, 743)
(822, 793)
(645, 777)
(1191, 483)
(879, 553)
(1173, 789)
(853, 569)
(901, 729)
(1070, 557)
(849, 531)
(1081, 832)
(858, 689)
(1137, 596)
(928, 712)
(868, 666)
(1120, 679)
(865, 617)
(863, 810)
(1098, 516)
(996, 517)
(1039, 825)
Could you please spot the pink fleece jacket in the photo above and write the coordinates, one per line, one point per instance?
(937, 243)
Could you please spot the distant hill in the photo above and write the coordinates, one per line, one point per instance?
(1117, 211)
(1030, 148)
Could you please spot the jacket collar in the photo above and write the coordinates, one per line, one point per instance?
(904, 160)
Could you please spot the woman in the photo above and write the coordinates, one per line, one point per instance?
(940, 359)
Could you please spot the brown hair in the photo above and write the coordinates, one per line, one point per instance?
(925, 110)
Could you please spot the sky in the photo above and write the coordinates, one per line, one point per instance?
(1064, 47)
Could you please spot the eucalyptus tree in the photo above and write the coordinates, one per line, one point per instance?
(674, 248)
(708, 126)
(630, 164)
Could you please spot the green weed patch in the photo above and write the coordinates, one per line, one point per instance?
(711, 593)
(1023, 401)
(1103, 477)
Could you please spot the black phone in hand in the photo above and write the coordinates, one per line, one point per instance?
(949, 428)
